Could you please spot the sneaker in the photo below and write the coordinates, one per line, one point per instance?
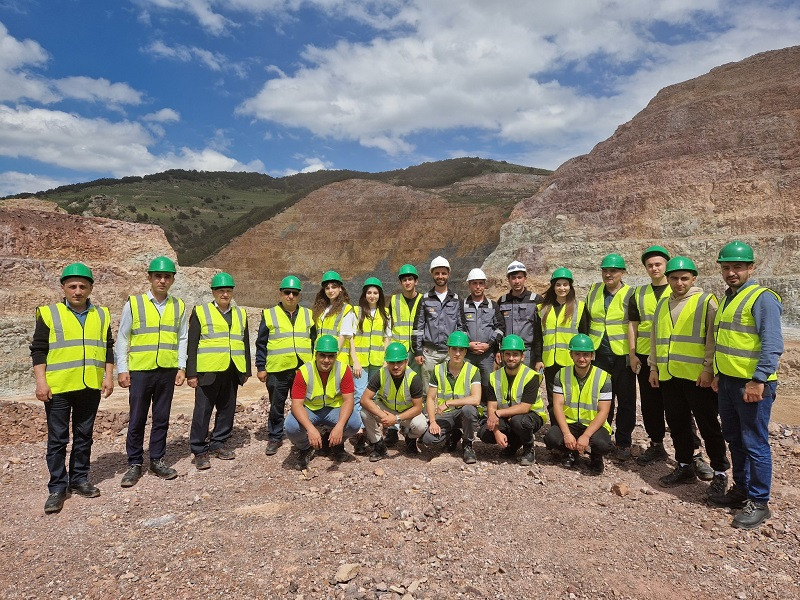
(528, 457)
(391, 438)
(452, 440)
(85, 489)
(272, 447)
(702, 468)
(752, 515)
(412, 446)
(718, 486)
(202, 461)
(224, 454)
(160, 468)
(379, 451)
(54, 502)
(362, 446)
(681, 475)
(568, 461)
(596, 466)
(469, 454)
(304, 458)
(622, 453)
(339, 454)
(735, 497)
(132, 475)
(654, 453)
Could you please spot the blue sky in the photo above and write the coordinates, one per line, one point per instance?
(108, 89)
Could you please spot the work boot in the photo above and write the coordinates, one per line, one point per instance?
(202, 461)
(132, 475)
(735, 497)
(569, 460)
(752, 515)
(452, 440)
(379, 451)
(469, 454)
(304, 458)
(361, 447)
(339, 454)
(702, 468)
(224, 453)
(654, 453)
(85, 489)
(54, 502)
(510, 451)
(412, 447)
(160, 468)
(717, 486)
(622, 453)
(272, 447)
(528, 457)
(596, 466)
(391, 438)
(681, 474)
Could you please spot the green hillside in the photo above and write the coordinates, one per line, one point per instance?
(201, 211)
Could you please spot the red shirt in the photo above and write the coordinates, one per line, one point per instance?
(299, 385)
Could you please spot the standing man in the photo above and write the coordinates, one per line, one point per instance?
(151, 361)
(438, 316)
(454, 394)
(285, 338)
(73, 362)
(607, 303)
(749, 344)
(516, 411)
(483, 323)
(218, 360)
(521, 317)
(681, 359)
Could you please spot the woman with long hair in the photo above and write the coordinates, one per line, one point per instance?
(333, 315)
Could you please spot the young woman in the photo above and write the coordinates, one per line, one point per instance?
(562, 317)
(333, 315)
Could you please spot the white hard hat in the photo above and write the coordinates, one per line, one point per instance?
(475, 274)
(440, 261)
(515, 267)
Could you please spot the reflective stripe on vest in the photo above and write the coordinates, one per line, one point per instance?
(461, 388)
(369, 343)
(331, 324)
(738, 345)
(580, 403)
(681, 348)
(287, 342)
(557, 334)
(614, 323)
(646, 302)
(398, 399)
(220, 344)
(76, 356)
(403, 319)
(499, 381)
(154, 336)
(321, 396)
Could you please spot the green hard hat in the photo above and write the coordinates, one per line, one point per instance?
(290, 282)
(373, 281)
(655, 251)
(329, 344)
(581, 343)
(221, 280)
(408, 270)
(680, 263)
(161, 264)
(329, 276)
(736, 251)
(458, 339)
(77, 270)
(562, 273)
(512, 342)
(396, 352)
(613, 261)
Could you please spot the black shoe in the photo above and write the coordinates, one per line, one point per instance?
(391, 438)
(718, 486)
(362, 446)
(596, 466)
(54, 502)
(568, 461)
(339, 454)
(469, 454)
(622, 453)
(379, 451)
(452, 440)
(681, 475)
(160, 469)
(702, 468)
(653, 454)
(132, 475)
(735, 497)
(223, 453)
(85, 489)
(412, 448)
(510, 451)
(272, 447)
(528, 457)
(304, 458)
(202, 461)
(752, 515)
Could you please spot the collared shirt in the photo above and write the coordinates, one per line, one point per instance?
(262, 338)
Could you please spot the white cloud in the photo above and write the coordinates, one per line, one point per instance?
(312, 164)
(97, 90)
(165, 115)
(14, 182)
(214, 61)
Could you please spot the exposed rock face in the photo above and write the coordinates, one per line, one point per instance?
(708, 160)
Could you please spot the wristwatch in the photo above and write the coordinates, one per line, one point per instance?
(397, 420)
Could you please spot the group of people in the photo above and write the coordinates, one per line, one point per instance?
(440, 369)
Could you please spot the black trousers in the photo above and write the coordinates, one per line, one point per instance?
(623, 383)
(220, 394)
(81, 408)
(682, 399)
(599, 442)
(154, 387)
(520, 429)
(278, 386)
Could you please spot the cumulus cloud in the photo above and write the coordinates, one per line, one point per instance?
(97, 90)
(165, 115)
(312, 164)
(14, 182)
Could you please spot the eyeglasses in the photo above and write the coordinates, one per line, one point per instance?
(290, 292)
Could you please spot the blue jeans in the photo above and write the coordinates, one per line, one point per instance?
(360, 384)
(744, 426)
(326, 417)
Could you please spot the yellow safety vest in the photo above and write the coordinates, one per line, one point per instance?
(646, 301)
(461, 388)
(681, 347)
(76, 356)
(505, 399)
(321, 396)
(614, 323)
(403, 319)
(556, 335)
(738, 343)
(393, 397)
(287, 342)
(580, 403)
(332, 325)
(154, 337)
(220, 344)
(369, 342)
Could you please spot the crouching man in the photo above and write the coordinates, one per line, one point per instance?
(322, 399)
(582, 400)
(516, 411)
(393, 397)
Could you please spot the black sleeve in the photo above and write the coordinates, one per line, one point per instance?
(531, 391)
(248, 367)
(110, 347)
(261, 345)
(490, 395)
(313, 334)
(415, 389)
(633, 311)
(374, 382)
(538, 343)
(583, 324)
(40, 345)
(191, 348)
